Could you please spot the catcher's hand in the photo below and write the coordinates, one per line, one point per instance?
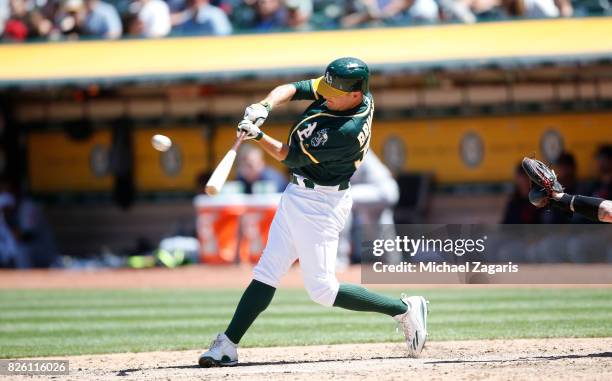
(544, 180)
(539, 197)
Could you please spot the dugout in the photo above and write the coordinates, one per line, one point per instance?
(458, 102)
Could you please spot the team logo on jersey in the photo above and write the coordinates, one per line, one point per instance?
(306, 132)
(320, 138)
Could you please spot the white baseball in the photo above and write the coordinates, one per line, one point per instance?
(161, 142)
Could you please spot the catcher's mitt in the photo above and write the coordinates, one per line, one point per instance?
(542, 176)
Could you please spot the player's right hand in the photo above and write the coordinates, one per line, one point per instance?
(256, 113)
(251, 129)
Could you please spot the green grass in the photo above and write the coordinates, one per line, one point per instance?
(68, 322)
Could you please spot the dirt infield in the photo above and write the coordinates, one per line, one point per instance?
(204, 277)
(524, 359)
(183, 277)
(552, 359)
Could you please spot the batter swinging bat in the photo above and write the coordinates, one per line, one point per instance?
(219, 175)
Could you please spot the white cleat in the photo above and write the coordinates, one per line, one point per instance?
(414, 323)
(222, 352)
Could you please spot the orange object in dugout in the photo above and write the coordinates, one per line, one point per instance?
(256, 223)
(234, 227)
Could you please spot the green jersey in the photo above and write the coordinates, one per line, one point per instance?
(327, 146)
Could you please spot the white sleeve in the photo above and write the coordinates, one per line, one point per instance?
(155, 18)
(373, 182)
(5, 13)
(223, 27)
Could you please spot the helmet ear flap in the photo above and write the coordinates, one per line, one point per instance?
(365, 86)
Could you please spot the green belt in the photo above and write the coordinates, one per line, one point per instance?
(310, 184)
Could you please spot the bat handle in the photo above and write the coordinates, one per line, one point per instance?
(239, 141)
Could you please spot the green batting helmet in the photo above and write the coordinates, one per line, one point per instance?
(342, 76)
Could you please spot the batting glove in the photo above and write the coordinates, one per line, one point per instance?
(251, 129)
(257, 113)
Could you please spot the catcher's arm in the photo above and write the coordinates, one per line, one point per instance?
(548, 190)
(596, 209)
(605, 211)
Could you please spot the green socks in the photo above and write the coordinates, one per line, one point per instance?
(357, 298)
(256, 298)
(258, 295)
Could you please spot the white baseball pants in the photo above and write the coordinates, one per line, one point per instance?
(306, 226)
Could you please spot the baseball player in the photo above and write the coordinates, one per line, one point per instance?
(324, 148)
(546, 190)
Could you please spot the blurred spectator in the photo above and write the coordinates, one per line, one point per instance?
(242, 14)
(152, 19)
(419, 11)
(70, 19)
(15, 26)
(537, 8)
(31, 233)
(565, 168)
(392, 12)
(298, 14)
(201, 18)
(360, 12)
(5, 13)
(101, 20)
(176, 6)
(566, 8)
(8, 244)
(252, 169)
(36, 241)
(518, 209)
(603, 186)
(270, 15)
(327, 14)
(43, 19)
(469, 11)
(375, 193)
(374, 188)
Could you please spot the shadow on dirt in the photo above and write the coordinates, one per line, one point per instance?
(126, 372)
(533, 358)
(317, 361)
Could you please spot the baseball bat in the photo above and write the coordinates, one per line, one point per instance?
(219, 175)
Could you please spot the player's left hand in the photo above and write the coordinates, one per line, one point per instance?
(251, 129)
(538, 196)
(256, 113)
